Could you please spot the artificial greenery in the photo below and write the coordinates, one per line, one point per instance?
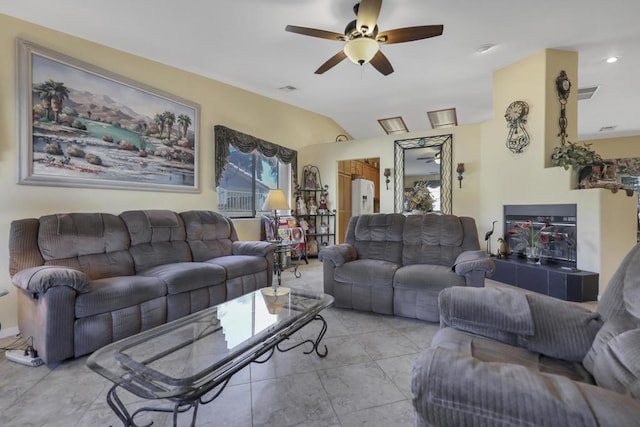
(574, 155)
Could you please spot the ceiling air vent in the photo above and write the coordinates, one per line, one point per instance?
(288, 88)
(587, 92)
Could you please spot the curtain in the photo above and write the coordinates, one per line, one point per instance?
(225, 138)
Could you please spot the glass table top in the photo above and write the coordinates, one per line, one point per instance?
(204, 349)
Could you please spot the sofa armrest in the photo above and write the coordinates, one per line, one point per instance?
(338, 254)
(469, 261)
(258, 248)
(37, 280)
(452, 389)
(536, 322)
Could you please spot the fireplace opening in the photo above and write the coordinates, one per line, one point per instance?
(560, 234)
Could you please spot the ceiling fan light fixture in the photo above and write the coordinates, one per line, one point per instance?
(361, 50)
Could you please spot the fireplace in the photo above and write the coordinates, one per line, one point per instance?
(560, 234)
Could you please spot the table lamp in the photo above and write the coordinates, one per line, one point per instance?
(276, 201)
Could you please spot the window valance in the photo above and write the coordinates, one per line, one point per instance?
(225, 138)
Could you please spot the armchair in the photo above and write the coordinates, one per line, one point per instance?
(503, 357)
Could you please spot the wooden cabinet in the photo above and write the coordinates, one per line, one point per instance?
(344, 203)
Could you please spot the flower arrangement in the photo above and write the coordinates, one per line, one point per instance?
(529, 238)
(419, 198)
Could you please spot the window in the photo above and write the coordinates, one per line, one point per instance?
(247, 168)
(246, 181)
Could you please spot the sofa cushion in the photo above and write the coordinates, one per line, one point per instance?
(561, 330)
(426, 276)
(240, 265)
(187, 276)
(114, 293)
(489, 350)
(94, 243)
(611, 329)
(158, 237)
(617, 366)
(367, 272)
(377, 236)
(209, 234)
(432, 239)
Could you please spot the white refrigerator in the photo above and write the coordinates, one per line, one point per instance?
(362, 193)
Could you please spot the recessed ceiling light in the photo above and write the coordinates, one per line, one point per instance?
(393, 125)
(612, 59)
(485, 48)
(443, 118)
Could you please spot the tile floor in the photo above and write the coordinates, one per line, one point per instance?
(364, 380)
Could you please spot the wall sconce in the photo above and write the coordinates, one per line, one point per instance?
(387, 174)
(460, 170)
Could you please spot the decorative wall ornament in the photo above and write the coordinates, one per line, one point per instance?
(563, 87)
(516, 116)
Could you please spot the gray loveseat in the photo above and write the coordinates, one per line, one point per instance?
(503, 358)
(397, 264)
(87, 279)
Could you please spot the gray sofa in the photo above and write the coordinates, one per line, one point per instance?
(397, 264)
(87, 279)
(503, 358)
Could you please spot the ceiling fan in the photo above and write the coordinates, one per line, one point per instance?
(363, 39)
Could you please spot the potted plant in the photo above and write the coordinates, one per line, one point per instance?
(573, 155)
(530, 239)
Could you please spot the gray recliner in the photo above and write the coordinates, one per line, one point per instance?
(505, 358)
(396, 264)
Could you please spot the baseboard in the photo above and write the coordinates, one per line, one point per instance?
(9, 332)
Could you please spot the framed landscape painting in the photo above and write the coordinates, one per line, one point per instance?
(81, 126)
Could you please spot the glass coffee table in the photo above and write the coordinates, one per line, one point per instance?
(190, 360)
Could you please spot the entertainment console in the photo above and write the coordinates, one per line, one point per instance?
(548, 279)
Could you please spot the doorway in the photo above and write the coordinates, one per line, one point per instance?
(348, 170)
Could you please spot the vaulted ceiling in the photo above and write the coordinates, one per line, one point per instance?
(243, 43)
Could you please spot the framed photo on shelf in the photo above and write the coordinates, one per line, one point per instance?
(83, 126)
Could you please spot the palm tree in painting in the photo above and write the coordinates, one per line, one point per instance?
(184, 121)
(59, 93)
(43, 90)
(159, 120)
(170, 119)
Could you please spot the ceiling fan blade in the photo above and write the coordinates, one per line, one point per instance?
(381, 63)
(409, 34)
(368, 12)
(332, 62)
(315, 33)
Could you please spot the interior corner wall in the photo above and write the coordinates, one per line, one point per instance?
(220, 104)
(509, 178)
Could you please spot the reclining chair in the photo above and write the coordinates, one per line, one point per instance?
(506, 358)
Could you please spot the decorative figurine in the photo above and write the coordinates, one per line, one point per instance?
(312, 205)
(301, 208)
(322, 207)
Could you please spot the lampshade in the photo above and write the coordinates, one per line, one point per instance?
(275, 201)
(361, 50)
